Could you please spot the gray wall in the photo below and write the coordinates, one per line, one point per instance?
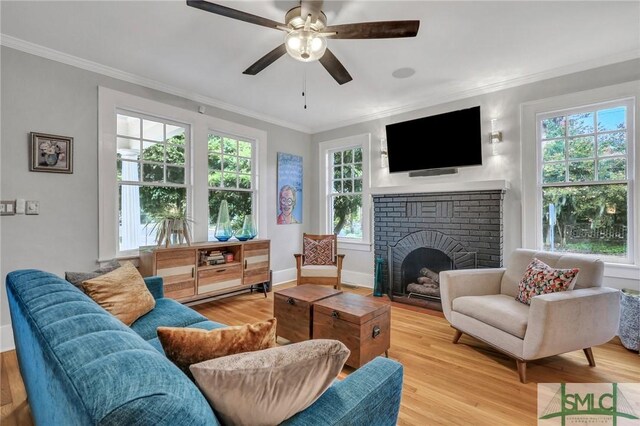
(505, 107)
(46, 96)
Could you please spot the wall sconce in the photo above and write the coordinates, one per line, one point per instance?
(496, 135)
(384, 154)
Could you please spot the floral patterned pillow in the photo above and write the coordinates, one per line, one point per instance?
(540, 278)
(318, 252)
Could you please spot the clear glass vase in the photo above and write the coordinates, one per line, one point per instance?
(248, 230)
(223, 226)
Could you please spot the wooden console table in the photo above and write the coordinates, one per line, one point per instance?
(187, 278)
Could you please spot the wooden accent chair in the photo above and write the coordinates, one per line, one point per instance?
(319, 262)
(481, 303)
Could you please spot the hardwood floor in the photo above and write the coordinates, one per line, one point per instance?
(467, 383)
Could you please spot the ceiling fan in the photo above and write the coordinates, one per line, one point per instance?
(307, 34)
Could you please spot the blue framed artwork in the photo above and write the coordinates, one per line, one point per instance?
(289, 189)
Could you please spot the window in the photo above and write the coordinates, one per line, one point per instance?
(152, 160)
(231, 178)
(155, 158)
(346, 192)
(344, 195)
(585, 180)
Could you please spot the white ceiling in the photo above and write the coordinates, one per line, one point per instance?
(461, 48)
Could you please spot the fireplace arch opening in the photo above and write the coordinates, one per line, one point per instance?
(420, 269)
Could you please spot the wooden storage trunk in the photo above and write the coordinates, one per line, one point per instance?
(361, 323)
(293, 309)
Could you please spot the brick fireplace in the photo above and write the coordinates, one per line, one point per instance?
(419, 235)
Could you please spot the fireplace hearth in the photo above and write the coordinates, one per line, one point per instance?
(420, 235)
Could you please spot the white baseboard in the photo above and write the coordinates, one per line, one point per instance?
(6, 338)
(283, 276)
(359, 279)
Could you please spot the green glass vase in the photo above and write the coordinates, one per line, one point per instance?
(379, 279)
(223, 226)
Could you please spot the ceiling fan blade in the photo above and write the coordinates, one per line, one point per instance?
(233, 13)
(266, 60)
(310, 7)
(383, 29)
(335, 67)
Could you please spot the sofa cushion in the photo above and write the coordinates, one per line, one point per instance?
(122, 292)
(591, 269)
(167, 313)
(498, 310)
(540, 278)
(204, 325)
(276, 383)
(186, 346)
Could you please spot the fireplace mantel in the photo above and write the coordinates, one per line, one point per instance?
(482, 185)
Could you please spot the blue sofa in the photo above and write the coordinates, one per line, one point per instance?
(82, 366)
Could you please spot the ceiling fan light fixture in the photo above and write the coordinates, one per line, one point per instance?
(305, 46)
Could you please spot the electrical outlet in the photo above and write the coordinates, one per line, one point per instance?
(33, 207)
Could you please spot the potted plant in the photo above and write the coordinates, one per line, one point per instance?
(172, 226)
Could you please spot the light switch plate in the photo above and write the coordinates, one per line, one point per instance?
(33, 207)
(20, 206)
(7, 207)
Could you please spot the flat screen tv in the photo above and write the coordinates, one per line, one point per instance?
(442, 141)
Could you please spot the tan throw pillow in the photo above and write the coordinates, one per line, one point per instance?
(267, 387)
(122, 293)
(318, 252)
(186, 346)
(540, 278)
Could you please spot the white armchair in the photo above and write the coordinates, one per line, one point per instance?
(481, 303)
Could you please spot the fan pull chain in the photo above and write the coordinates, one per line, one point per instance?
(304, 89)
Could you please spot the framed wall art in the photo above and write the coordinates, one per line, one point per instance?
(50, 153)
(289, 189)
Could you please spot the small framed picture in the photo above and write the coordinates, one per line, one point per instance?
(50, 153)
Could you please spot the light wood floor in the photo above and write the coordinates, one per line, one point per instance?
(444, 383)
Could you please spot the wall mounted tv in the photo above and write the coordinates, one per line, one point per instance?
(443, 141)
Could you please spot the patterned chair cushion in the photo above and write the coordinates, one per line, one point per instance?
(318, 252)
(540, 278)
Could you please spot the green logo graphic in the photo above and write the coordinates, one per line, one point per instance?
(613, 405)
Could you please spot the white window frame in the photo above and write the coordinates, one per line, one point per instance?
(254, 188)
(188, 184)
(628, 93)
(325, 149)
(628, 103)
(200, 125)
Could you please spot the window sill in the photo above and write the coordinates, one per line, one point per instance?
(620, 270)
(354, 245)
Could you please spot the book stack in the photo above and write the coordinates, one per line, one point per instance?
(215, 258)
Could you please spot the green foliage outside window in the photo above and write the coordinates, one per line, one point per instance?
(346, 174)
(590, 149)
(230, 169)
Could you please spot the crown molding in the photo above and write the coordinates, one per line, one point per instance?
(65, 58)
(55, 55)
(489, 88)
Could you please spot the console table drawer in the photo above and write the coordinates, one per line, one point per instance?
(219, 278)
